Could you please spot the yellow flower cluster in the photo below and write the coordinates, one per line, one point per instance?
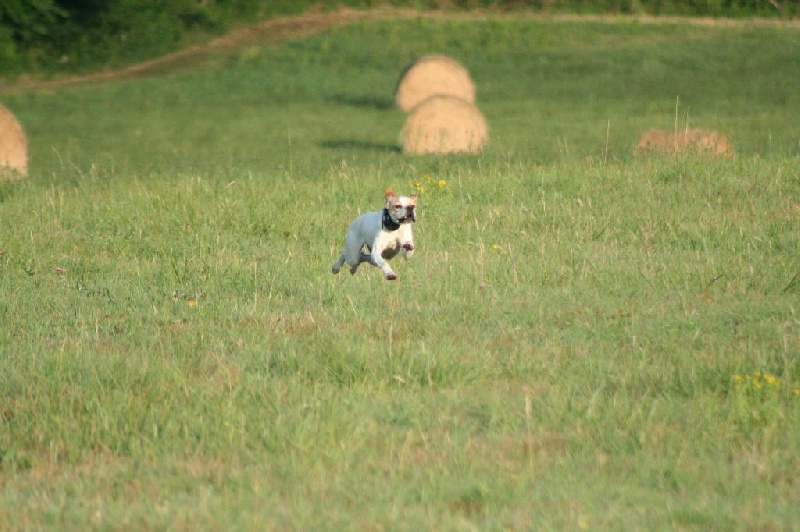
(758, 380)
(426, 182)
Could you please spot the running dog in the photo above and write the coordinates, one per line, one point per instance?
(384, 233)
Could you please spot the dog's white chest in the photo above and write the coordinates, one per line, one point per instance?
(388, 243)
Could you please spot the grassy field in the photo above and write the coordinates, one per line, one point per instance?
(586, 338)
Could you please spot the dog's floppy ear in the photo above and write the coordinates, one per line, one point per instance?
(390, 194)
(414, 197)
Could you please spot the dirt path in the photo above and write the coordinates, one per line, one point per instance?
(279, 29)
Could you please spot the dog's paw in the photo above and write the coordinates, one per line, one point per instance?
(408, 246)
(391, 277)
(334, 270)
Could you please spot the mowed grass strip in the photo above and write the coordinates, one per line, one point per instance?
(584, 338)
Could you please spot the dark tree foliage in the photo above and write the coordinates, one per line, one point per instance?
(26, 20)
(23, 23)
(73, 35)
(85, 33)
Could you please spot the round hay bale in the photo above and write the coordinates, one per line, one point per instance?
(433, 75)
(13, 147)
(444, 124)
(697, 140)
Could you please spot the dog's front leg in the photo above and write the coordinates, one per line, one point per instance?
(407, 242)
(376, 259)
(408, 250)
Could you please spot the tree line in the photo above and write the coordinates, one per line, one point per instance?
(72, 35)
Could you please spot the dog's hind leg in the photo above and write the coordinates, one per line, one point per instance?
(338, 264)
(362, 258)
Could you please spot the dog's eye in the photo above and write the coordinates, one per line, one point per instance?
(398, 206)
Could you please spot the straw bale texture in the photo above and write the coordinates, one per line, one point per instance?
(13, 147)
(697, 140)
(433, 75)
(444, 124)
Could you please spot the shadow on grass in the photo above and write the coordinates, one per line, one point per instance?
(8, 188)
(364, 101)
(352, 144)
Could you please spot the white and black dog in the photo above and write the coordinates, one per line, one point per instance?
(385, 234)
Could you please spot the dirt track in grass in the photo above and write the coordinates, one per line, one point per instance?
(284, 28)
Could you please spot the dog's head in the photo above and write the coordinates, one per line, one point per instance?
(401, 209)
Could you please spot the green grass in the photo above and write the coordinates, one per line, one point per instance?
(574, 344)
